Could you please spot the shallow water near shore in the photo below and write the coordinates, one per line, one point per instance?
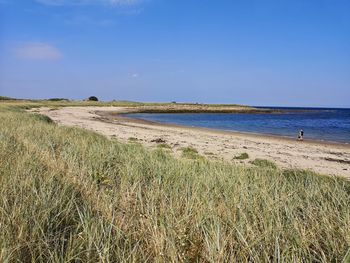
(318, 124)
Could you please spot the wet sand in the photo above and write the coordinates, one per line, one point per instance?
(322, 157)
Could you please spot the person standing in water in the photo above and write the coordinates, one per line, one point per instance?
(301, 135)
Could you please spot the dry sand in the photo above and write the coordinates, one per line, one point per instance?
(321, 157)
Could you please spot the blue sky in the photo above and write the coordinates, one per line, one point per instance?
(255, 52)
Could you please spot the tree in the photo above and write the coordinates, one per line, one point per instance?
(93, 98)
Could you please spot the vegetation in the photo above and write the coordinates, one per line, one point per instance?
(146, 107)
(68, 194)
(164, 146)
(58, 99)
(264, 163)
(132, 139)
(190, 153)
(242, 156)
(143, 107)
(93, 98)
(32, 103)
(6, 98)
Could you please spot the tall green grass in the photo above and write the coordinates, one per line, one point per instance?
(70, 195)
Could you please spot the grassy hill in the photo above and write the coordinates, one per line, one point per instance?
(68, 194)
(145, 107)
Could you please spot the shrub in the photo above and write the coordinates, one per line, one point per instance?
(6, 98)
(58, 99)
(92, 98)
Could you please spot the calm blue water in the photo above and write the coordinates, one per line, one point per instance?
(325, 124)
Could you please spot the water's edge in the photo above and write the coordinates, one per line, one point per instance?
(326, 125)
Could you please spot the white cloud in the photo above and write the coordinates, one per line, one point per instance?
(135, 75)
(37, 51)
(90, 2)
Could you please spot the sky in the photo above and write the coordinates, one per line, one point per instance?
(253, 52)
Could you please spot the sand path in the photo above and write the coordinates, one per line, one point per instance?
(324, 158)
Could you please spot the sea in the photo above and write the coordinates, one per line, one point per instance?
(324, 124)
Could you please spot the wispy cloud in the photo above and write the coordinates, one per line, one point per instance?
(37, 51)
(90, 2)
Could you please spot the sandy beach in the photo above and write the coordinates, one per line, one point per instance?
(321, 157)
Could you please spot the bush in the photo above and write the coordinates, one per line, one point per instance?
(6, 98)
(58, 99)
(92, 98)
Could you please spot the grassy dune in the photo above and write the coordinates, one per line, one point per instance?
(145, 107)
(65, 102)
(71, 195)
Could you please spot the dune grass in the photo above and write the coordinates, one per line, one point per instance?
(190, 153)
(242, 156)
(164, 146)
(62, 102)
(263, 163)
(71, 195)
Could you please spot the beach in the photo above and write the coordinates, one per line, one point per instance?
(321, 157)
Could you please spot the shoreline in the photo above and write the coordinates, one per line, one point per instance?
(217, 130)
(322, 157)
